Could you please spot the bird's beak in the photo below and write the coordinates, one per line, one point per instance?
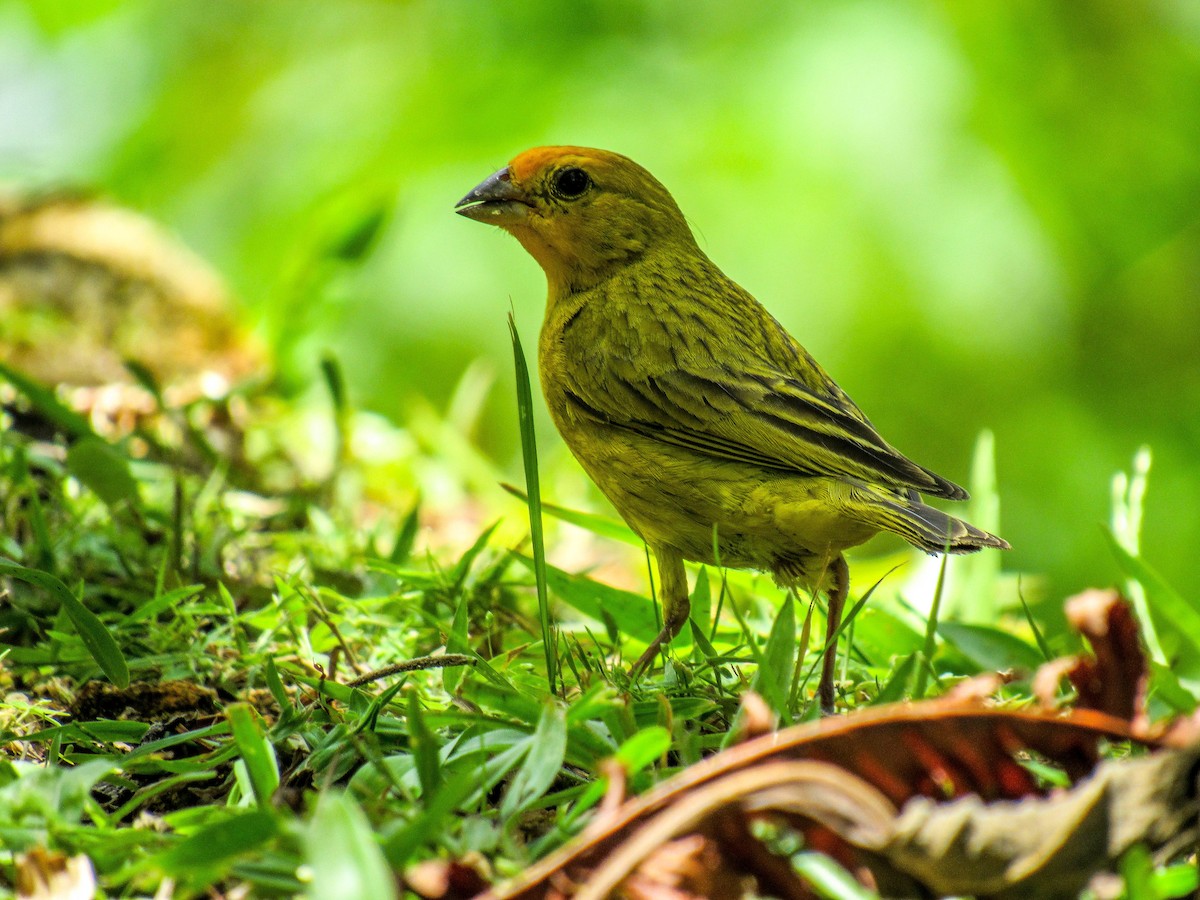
(495, 200)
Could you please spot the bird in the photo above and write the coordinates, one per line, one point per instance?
(715, 435)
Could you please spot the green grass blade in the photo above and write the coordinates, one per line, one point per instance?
(534, 503)
(424, 748)
(643, 749)
(457, 642)
(145, 794)
(931, 632)
(631, 613)
(1137, 870)
(1169, 606)
(1128, 497)
(596, 524)
(828, 879)
(897, 686)
(1043, 647)
(638, 752)
(20, 479)
(53, 795)
(1179, 880)
(704, 649)
(209, 851)
(406, 537)
(163, 602)
(1166, 685)
(343, 854)
(883, 634)
(235, 625)
(847, 620)
(97, 639)
(701, 613)
(401, 844)
(335, 383)
(99, 466)
(991, 649)
(275, 686)
(43, 400)
(462, 568)
(547, 749)
(774, 676)
(975, 596)
(256, 752)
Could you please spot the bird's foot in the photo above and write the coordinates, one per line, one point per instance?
(644, 661)
(639, 668)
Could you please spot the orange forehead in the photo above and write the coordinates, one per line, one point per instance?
(526, 165)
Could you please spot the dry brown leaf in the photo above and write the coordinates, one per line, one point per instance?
(690, 868)
(937, 749)
(1113, 679)
(1049, 848)
(1040, 848)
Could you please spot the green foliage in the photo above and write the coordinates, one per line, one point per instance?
(39, 802)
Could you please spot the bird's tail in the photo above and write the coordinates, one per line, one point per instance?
(923, 526)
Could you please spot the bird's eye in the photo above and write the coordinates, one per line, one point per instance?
(570, 183)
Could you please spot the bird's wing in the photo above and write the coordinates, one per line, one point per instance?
(763, 418)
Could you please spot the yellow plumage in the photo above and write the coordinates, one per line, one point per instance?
(687, 403)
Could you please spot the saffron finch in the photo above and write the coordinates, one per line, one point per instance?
(690, 406)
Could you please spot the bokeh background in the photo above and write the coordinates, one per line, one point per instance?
(977, 215)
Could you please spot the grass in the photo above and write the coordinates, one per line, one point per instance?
(275, 669)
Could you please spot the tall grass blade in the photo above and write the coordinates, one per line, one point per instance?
(1181, 612)
(975, 596)
(534, 502)
(931, 632)
(828, 879)
(207, 852)
(1128, 495)
(776, 668)
(335, 383)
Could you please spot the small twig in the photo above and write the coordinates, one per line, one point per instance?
(413, 665)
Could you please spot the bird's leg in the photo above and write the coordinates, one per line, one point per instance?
(673, 591)
(839, 583)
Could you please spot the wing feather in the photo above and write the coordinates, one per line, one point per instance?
(763, 418)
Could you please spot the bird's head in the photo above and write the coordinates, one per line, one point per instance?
(582, 214)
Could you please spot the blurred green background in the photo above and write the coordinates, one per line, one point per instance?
(975, 214)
